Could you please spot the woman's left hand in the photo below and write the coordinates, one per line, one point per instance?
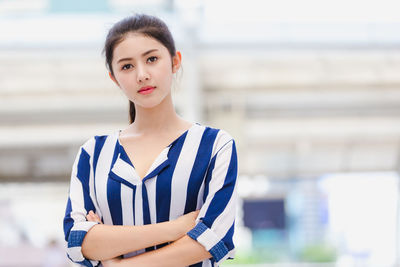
(93, 217)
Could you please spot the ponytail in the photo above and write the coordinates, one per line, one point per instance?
(132, 111)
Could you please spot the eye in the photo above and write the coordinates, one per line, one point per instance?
(126, 66)
(152, 59)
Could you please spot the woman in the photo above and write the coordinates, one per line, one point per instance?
(162, 191)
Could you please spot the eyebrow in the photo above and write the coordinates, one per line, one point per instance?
(144, 54)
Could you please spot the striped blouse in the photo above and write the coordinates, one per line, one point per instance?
(198, 170)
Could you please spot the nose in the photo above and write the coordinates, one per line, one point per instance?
(142, 74)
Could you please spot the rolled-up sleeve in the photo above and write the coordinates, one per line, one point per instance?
(215, 223)
(80, 202)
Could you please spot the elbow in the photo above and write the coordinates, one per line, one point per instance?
(219, 248)
(80, 249)
(89, 249)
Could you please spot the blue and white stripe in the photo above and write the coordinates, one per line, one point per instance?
(198, 170)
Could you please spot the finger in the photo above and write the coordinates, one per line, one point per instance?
(94, 215)
(96, 218)
(91, 217)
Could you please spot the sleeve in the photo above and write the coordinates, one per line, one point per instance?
(215, 222)
(79, 204)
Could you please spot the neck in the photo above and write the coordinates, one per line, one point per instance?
(161, 118)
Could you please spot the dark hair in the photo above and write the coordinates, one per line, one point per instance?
(139, 23)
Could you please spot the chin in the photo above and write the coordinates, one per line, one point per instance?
(148, 105)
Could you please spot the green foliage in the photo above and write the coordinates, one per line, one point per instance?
(318, 253)
(274, 254)
(255, 256)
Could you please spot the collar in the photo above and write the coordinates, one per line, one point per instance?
(123, 171)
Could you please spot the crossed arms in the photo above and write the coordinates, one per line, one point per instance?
(90, 242)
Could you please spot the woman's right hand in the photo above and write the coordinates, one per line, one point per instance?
(186, 222)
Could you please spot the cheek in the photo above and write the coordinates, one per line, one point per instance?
(124, 80)
(166, 73)
(125, 84)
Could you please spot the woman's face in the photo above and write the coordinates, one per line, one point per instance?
(141, 62)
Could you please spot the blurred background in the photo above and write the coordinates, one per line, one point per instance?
(310, 90)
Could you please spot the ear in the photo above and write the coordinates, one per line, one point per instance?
(113, 78)
(176, 62)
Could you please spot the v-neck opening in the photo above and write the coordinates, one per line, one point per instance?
(123, 150)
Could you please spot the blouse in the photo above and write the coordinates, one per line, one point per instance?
(198, 170)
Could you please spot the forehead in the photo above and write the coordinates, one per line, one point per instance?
(134, 45)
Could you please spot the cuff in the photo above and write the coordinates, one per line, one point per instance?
(205, 236)
(75, 239)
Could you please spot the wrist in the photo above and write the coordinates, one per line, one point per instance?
(175, 229)
(115, 262)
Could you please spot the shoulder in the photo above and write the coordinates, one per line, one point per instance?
(221, 138)
(97, 141)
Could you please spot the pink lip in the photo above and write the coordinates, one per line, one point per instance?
(146, 90)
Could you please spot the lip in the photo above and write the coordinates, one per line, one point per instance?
(146, 90)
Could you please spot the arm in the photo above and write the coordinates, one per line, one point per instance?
(183, 252)
(80, 200)
(215, 224)
(212, 236)
(180, 253)
(105, 241)
(108, 241)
